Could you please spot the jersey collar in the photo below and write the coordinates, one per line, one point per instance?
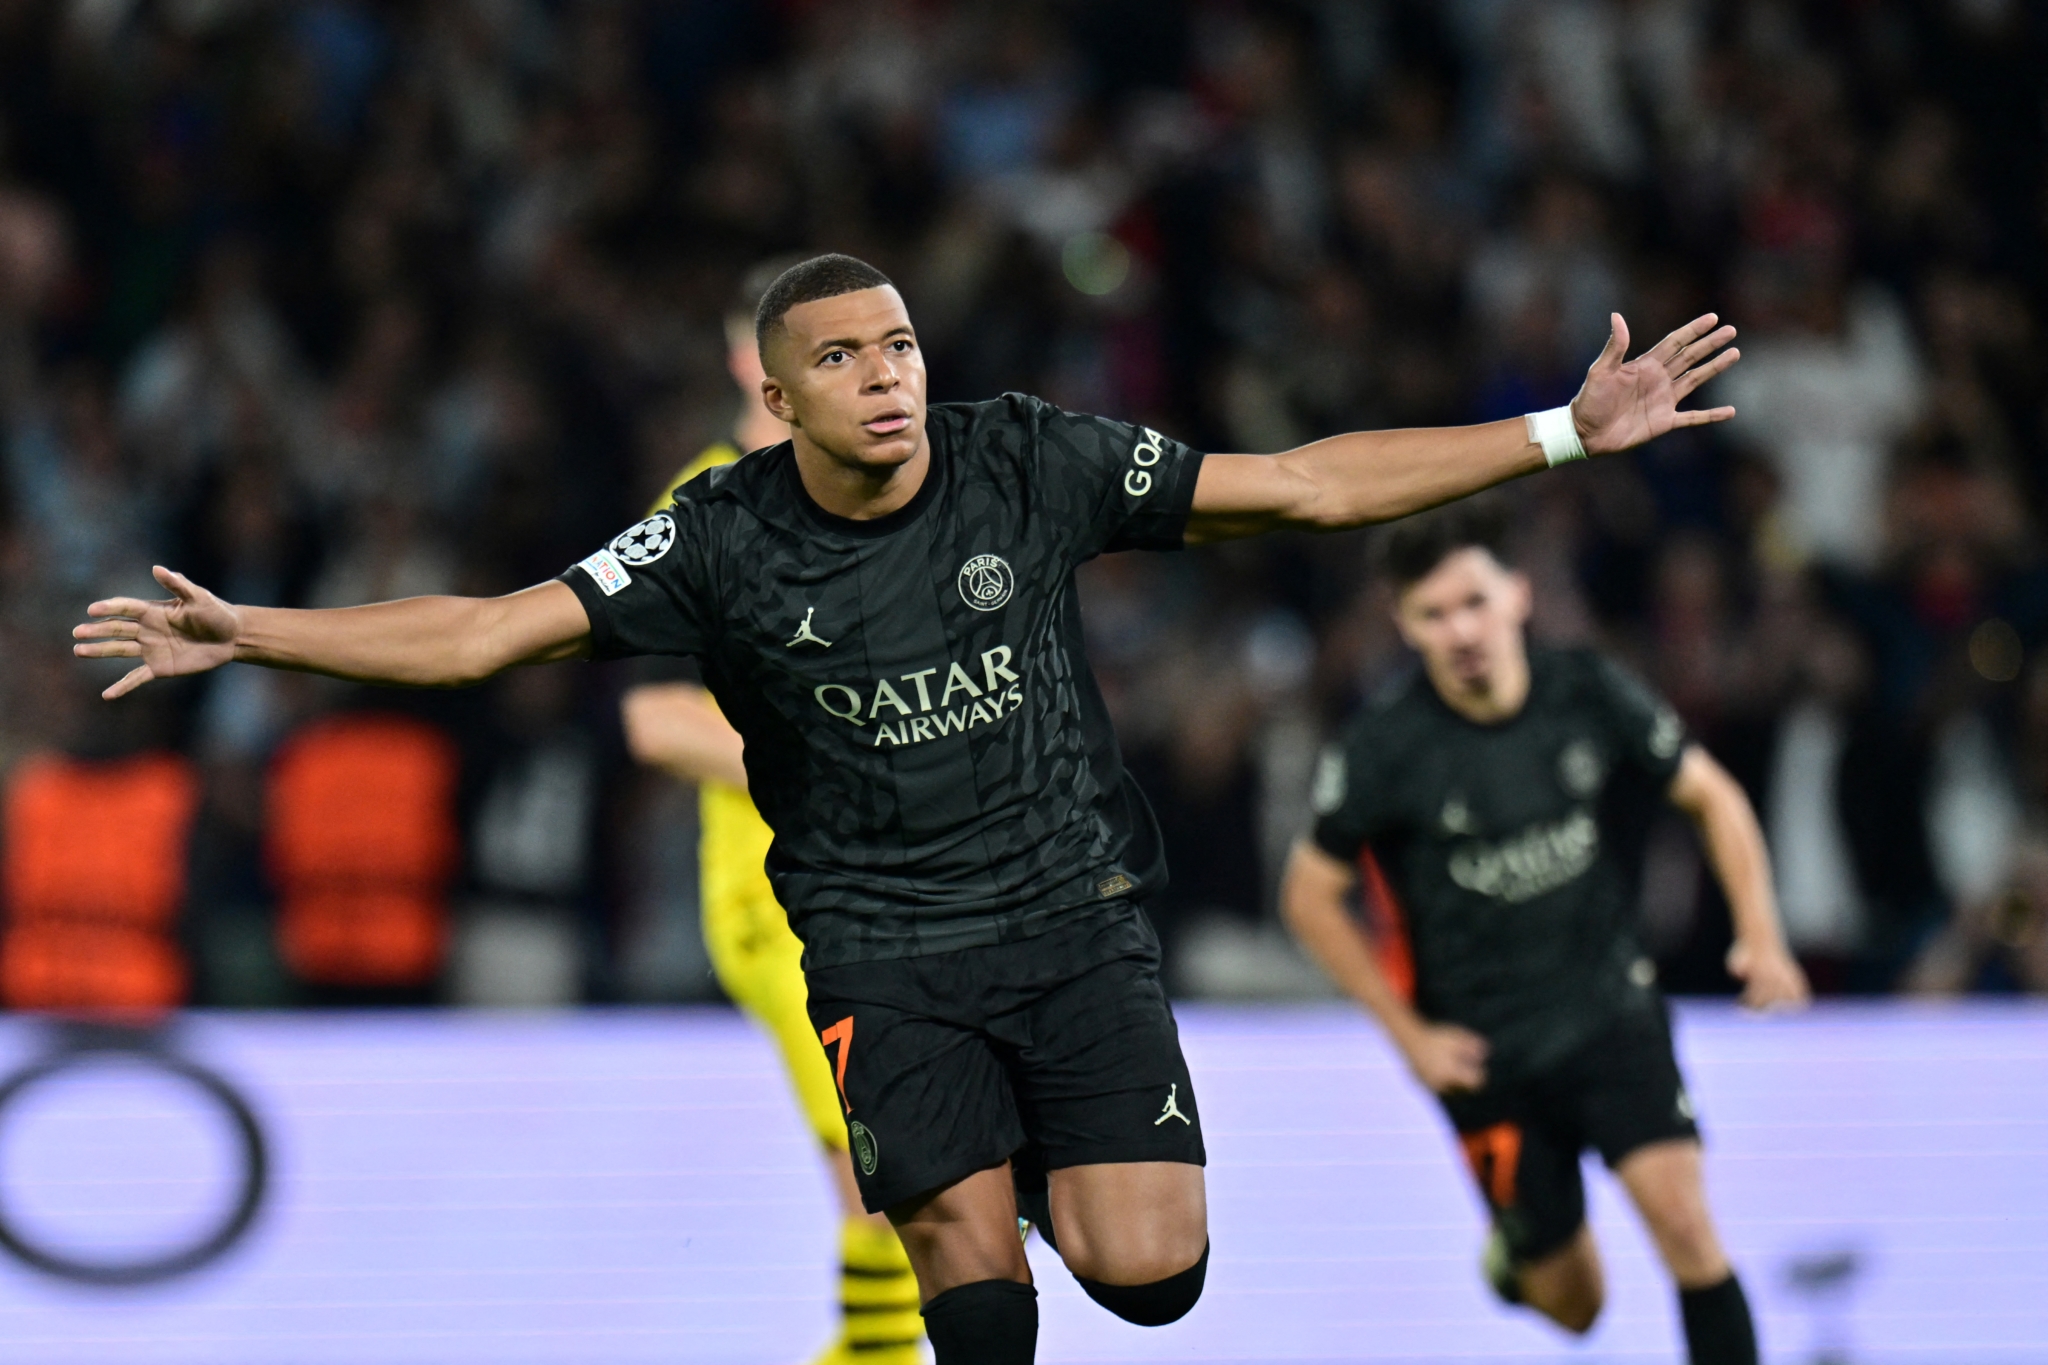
(874, 527)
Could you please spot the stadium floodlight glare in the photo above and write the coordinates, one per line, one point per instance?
(1096, 263)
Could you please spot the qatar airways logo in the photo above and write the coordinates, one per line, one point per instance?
(1138, 480)
(953, 705)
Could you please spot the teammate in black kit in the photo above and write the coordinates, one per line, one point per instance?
(1497, 800)
(884, 608)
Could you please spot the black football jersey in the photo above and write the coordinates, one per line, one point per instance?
(922, 730)
(1514, 849)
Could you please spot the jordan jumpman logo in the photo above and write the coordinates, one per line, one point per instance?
(804, 636)
(1172, 1108)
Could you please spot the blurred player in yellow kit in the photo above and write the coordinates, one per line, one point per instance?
(677, 727)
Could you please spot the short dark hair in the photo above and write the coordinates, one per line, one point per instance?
(821, 277)
(760, 277)
(1415, 546)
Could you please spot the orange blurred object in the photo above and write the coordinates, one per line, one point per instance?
(362, 844)
(1386, 924)
(97, 855)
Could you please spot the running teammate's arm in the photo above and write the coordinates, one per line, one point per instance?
(418, 642)
(678, 728)
(1704, 790)
(1315, 901)
(1374, 476)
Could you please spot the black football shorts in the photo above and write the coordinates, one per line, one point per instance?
(951, 1063)
(1617, 1093)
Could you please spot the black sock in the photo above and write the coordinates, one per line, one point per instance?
(989, 1322)
(1718, 1330)
(1154, 1304)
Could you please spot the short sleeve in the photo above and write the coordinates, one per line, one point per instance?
(1125, 487)
(1347, 797)
(1650, 736)
(647, 591)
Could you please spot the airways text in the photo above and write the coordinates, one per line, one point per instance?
(952, 704)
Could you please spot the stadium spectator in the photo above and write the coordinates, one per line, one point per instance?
(332, 301)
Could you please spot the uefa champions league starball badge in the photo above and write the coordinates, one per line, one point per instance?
(647, 542)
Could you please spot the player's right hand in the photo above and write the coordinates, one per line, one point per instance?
(1771, 977)
(191, 632)
(1445, 1057)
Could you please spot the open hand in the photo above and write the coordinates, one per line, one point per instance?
(1771, 978)
(1445, 1057)
(190, 633)
(1624, 403)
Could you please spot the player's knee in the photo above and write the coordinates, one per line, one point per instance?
(1154, 1304)
(1580, 1319)
(1566, 1286)
(989, 1322)
(1134, 1225)
(1577, 1312)
(1572, 1302)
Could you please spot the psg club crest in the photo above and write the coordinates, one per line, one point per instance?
(647, 542)
(1581, 769)
(865, 1149)
(986, 582)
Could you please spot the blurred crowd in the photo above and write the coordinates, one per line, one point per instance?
(330, 301)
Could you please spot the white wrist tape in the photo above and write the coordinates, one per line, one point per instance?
(1555, 431)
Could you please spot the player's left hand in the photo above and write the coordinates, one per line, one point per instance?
(1624, 403)
(1771, 978)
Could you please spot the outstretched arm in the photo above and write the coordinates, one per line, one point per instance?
(1370, 476)
(418, 642)
(678, 728)
(1443, 1057)
(1704, 790)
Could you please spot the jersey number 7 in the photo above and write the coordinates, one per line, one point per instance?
(842, 1034)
